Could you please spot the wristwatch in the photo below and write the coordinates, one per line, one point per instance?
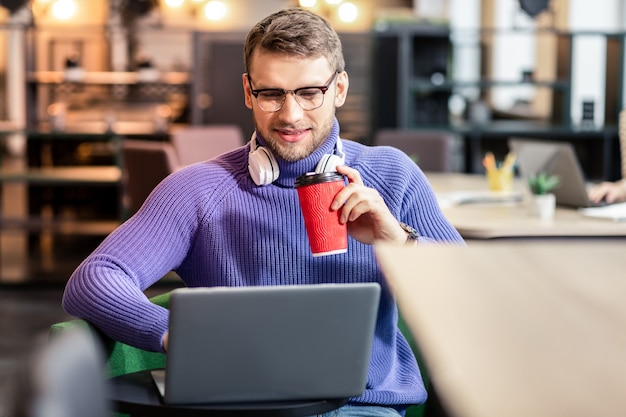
(412, 234)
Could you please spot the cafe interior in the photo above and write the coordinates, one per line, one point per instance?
(101, 99)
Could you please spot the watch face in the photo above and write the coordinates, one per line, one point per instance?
(413, 234)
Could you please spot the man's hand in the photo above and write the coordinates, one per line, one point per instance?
(365, 212)
(164, 341)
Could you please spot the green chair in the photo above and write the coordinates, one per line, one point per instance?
(415, 410)
(122, 359)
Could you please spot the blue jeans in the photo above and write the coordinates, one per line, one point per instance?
(362, 411)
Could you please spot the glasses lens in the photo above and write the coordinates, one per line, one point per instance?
(271, 100)
(310, 98)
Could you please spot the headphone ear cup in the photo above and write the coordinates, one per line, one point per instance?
(262, 166)
(329, 163)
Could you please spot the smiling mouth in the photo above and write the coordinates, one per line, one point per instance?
(292, 134)
(292, 131)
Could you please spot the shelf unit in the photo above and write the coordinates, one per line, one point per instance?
(414, 65)
(110, 77)
(414, 81)
(101, 95)
(405, 60)
(414, 75)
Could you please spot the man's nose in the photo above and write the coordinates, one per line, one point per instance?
(291, 109)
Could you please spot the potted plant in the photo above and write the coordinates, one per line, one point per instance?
(542, 183)
(544, 201)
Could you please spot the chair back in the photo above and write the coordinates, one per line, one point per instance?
(121, 359)
(145, 163)
(431, 150)
(64, 378)
(199, 143)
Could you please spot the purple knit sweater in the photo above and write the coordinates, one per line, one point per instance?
(212, 225)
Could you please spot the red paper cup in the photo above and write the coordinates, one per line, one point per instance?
(316, 192)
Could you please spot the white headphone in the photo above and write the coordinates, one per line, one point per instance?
(263, 166)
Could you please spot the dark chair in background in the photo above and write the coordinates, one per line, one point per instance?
(145, 164)
(431, 150)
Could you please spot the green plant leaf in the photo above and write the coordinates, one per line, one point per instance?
(543, 183)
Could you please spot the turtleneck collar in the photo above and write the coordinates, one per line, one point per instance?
(289, 171)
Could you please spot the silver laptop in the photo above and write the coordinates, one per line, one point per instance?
(556, 158)
(268, 343)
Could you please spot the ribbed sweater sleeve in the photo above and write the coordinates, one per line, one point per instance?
(213, 226)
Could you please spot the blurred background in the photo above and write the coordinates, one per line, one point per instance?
(83, 80)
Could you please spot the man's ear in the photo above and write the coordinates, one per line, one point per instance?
(247, 90)
(342, 88)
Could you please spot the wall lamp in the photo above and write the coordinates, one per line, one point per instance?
(345, 11)
(212, 9)
(57, 9)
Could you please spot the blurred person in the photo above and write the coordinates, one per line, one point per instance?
(613, 191)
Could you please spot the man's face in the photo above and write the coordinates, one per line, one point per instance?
(291, 132)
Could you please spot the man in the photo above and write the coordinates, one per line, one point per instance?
(235, 220)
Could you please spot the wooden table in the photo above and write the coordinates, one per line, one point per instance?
(517, 329)
(513, 220)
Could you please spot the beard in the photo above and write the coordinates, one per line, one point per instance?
(293, 152)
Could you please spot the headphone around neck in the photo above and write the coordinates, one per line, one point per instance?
(263, 166)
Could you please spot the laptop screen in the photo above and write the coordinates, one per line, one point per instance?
(279, 343)
(537, 156)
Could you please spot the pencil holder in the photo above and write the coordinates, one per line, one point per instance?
(500, 180)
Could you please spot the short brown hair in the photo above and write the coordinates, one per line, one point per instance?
(295, 31)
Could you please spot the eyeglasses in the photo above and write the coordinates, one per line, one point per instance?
(309, 98)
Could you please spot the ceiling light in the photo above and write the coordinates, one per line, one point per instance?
(174, 3)
(348, 12)
(215, 10)
(63, 9)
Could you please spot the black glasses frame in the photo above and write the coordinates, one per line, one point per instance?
(323, 89)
